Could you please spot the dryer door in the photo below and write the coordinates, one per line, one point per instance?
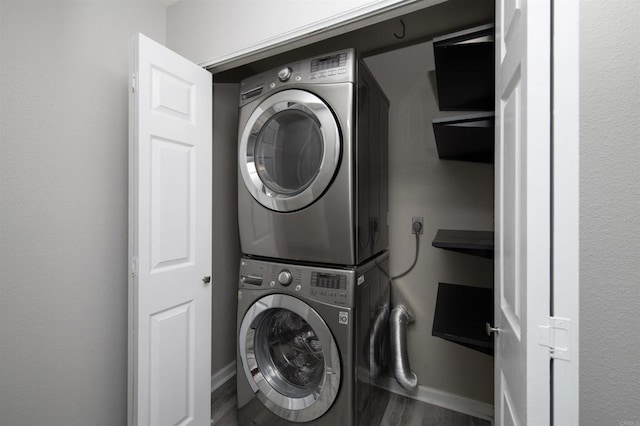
(289, 150)
(289, 357)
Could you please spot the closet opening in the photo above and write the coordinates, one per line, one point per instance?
(440, 169)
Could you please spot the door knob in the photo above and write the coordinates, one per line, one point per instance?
(206, 279)
(491, 329)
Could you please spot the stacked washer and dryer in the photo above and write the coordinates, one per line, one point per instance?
(313, 296)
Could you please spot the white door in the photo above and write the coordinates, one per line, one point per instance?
(169, 238)
(522, 211)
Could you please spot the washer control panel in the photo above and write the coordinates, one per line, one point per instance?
(328, 285)
(335, 67)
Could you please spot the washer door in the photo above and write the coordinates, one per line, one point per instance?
(289, 150)
(289, 357)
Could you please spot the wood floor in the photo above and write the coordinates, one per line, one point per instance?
(395, 410)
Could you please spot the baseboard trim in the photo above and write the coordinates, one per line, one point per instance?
(223, 375)
(447, 400)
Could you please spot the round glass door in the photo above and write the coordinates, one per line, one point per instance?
(289, 150)
(290, 358)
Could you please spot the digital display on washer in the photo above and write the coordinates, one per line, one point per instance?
(332, 281)
(327, 62)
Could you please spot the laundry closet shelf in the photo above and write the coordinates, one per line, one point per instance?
(476, 243)
(466, 138)
(465, 69)
(461, 315)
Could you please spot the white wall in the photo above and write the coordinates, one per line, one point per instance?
(206, 30)
(609, 212)
(63, 208)
(449, 195)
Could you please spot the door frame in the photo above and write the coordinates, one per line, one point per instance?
(374, 12)
(565, 203)
(564, 254)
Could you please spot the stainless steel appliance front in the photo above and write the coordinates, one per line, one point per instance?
(313, 162)
(309, 341)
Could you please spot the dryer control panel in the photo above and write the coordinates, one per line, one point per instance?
(335, 67)
(327, 285)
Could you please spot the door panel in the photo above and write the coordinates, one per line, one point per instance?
(171, 94)
(169, 238)
(522, 211)
(172, 210)
(511, 291)
(172, 365)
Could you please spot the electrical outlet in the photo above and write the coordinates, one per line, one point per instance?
(417, 225)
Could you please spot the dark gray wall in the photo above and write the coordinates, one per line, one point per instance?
(449, 195)
(226, 245)
(609, 213)
(63, 208)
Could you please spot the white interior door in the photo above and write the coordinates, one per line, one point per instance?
(522, 211)
(169, 238)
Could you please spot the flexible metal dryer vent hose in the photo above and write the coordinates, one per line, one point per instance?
(400, 317)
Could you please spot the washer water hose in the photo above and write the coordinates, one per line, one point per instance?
(400, 317)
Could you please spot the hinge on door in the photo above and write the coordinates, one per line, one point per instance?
(134, 83)
(555, 336)
(134, 267)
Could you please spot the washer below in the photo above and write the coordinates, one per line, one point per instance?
(307, 350)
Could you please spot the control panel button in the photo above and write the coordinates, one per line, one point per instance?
(285, 74)
(285, 278)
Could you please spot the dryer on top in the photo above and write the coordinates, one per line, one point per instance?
(313, 142)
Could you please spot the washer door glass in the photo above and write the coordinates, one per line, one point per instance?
(289, 353)
(289, 150)
(290, 357)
